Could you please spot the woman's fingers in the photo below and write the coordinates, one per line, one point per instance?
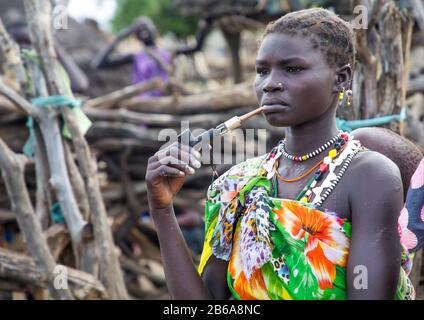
(170, 162)
(175, 163)
(174, 155)
(166, 171)
(188, 149)
(176, 160)
(176, 147)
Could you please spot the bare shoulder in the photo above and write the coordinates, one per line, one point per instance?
(374, 163)
(374, 179)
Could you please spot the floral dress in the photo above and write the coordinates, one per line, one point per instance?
(278, 249)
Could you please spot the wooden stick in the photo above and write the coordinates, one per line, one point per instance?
(250, 114)
(23, 105)
(43, 190)
(111, 100)
(14, 72)
(21, 269)
(59, 175)
(39, 17)
(88, 261)
(156, 119)
(12, 168)
(241, 95)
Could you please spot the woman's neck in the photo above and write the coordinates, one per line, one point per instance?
(309, 136)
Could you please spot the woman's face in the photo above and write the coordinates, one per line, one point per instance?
(293, 81)
(145, 35)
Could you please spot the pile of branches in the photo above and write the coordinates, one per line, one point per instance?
(77, 259)
(96, 180)
(124, 134)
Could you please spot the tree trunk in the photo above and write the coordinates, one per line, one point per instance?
(381, 71)
(12, 167)
(21, 270)
(233, 42)
(39, 17)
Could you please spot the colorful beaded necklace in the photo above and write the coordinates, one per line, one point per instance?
(342, 154)
(336, 148)
(310, 154)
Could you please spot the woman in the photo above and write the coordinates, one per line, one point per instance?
(146, 65)
(316, 217)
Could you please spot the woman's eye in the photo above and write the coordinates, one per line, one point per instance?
(294, 69)
(261, 72)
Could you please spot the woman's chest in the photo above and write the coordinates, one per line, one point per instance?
(336, 201)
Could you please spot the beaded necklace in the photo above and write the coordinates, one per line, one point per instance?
(332, 179)
(306, 193)
(342, 154)
(310, 154)
(337, 146)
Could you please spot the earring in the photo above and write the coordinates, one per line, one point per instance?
(345, 98)
(342, 98)
(349, 97)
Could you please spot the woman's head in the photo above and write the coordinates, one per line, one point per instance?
(304, 60)
(146, 30)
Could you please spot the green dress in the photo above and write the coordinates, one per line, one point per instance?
(278, 249)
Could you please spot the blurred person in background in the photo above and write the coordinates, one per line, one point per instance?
(150, 62)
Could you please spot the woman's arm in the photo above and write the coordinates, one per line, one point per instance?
(165, 176)
(376, 201)
(103, 59)
(204, 27)
(182, 278)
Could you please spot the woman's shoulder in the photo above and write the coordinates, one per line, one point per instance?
(372, 162)
(372, 174)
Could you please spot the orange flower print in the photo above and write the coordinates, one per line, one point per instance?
(255, 287)
(327, 245)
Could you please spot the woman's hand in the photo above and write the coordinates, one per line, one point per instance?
(166, 172)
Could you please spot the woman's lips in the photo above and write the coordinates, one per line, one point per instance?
(271, 108)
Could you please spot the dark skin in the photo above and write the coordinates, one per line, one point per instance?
(369, 195)
(104, 60)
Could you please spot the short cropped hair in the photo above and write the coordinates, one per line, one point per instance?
(330, 34)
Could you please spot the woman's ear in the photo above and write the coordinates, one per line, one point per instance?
(343, 78)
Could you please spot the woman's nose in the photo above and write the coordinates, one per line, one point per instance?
(272, 85)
